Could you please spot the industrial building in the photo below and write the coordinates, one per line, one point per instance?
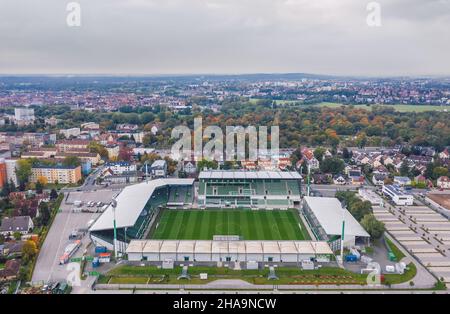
(398, 195)
(249, 189)
(325, 216)
(228, 251)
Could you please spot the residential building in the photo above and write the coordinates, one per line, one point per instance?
(113, 151)
(121, 167)
(56, 174)
(72, 145)
(378, 179)
(24, 116)
(21, 224)
(443, 182)
(159, 168)
(68, 133)
(402, 181)
(11, 175)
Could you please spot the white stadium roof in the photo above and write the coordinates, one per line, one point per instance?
(130, 203)
(329, 213)
(220, 174)
(228, 247)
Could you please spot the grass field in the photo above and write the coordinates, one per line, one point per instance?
(249, 224)
(397, 107)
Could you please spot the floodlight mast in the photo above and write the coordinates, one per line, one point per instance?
(343, 232)
(114, 205)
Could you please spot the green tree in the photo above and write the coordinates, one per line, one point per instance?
(29, 251)
(71, 161)
(373, 227)
(319, 152)
(404, 169)
(23, 170)
(332, 165)
(44, 213)
(53, 194)
(39, 187)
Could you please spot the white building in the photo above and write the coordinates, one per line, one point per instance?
(325, 215)
(121, 167)
(73, 132)
(24, 116)
(371, 196)
(397, 195)
(443, 182)
(402, 181)
(11, 175)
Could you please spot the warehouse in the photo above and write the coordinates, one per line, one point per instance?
(227, 251)
(325, 216)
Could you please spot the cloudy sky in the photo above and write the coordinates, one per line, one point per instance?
(225, 36)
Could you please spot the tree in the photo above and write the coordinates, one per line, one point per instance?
(95, 147)
(404, 169)
(332, 165)
(39, 187)
(373, 227)
(29, 250)
(319, 152)
(439, 172)
(209, 164)
(346, 154)
(296, 156)
(53, 194)
(71, 161)
(44, 213)
(23, 170)
(17, 235)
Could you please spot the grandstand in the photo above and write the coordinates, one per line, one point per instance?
(137, 206)
(256, 189)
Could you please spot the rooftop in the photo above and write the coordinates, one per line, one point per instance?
(236, 174)
(330, 214)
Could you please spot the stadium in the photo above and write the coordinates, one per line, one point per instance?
(257, 212)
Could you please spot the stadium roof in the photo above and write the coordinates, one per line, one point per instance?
(329, 213)
(130, 203)
(233, 174)
(228, 247)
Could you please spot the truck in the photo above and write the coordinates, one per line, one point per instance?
(77, 203)
(69, 251)
(104, 257)
(95, 262)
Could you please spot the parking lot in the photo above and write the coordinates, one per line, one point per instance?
(423, 232)
(47, 265)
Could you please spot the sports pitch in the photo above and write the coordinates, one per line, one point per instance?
(249, 224)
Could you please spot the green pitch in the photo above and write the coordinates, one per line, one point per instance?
(249, 224)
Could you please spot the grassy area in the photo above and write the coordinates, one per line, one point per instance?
(409, 274)
(398, 254)
(399, 107)
(151, 274)
(249, 224)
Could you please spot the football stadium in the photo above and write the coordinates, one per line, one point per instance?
(225, 210)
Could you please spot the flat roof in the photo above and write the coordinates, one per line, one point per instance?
(229, 247)
(239, 174)
(131, 201)
(329, 213)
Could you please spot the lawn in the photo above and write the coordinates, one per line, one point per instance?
(287, 275)
(399, 107)
(398, 254)
(249, 224)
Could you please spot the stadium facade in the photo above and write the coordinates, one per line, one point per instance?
(137, 207)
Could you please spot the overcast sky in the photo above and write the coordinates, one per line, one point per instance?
(225, 36)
